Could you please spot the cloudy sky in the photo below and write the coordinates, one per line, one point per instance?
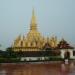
(54, 17)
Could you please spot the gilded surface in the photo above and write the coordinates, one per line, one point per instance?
(34, 40)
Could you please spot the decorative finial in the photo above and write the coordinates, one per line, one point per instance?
(33, 21)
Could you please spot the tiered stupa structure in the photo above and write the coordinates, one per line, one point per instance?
(33, 41)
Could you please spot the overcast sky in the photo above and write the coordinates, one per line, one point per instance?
(54, 17)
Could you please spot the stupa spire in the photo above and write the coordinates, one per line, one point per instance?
(33, 25)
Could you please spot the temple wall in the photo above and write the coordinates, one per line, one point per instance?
(63, 51)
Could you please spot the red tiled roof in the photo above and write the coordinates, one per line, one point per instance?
(64, 45)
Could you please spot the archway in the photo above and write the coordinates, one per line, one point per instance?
(67, 55)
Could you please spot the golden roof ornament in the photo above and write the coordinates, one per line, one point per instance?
(33, 21)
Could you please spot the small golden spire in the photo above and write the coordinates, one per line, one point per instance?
(33, 21)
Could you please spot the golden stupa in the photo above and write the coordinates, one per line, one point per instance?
(33, 41)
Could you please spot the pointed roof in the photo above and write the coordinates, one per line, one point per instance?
(33, 25)
(47, 46)
(64, 45)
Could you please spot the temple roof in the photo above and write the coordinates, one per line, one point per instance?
(34, 40)
(47, 46)
(64, 45)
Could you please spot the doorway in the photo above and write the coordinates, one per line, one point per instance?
(67, 55)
